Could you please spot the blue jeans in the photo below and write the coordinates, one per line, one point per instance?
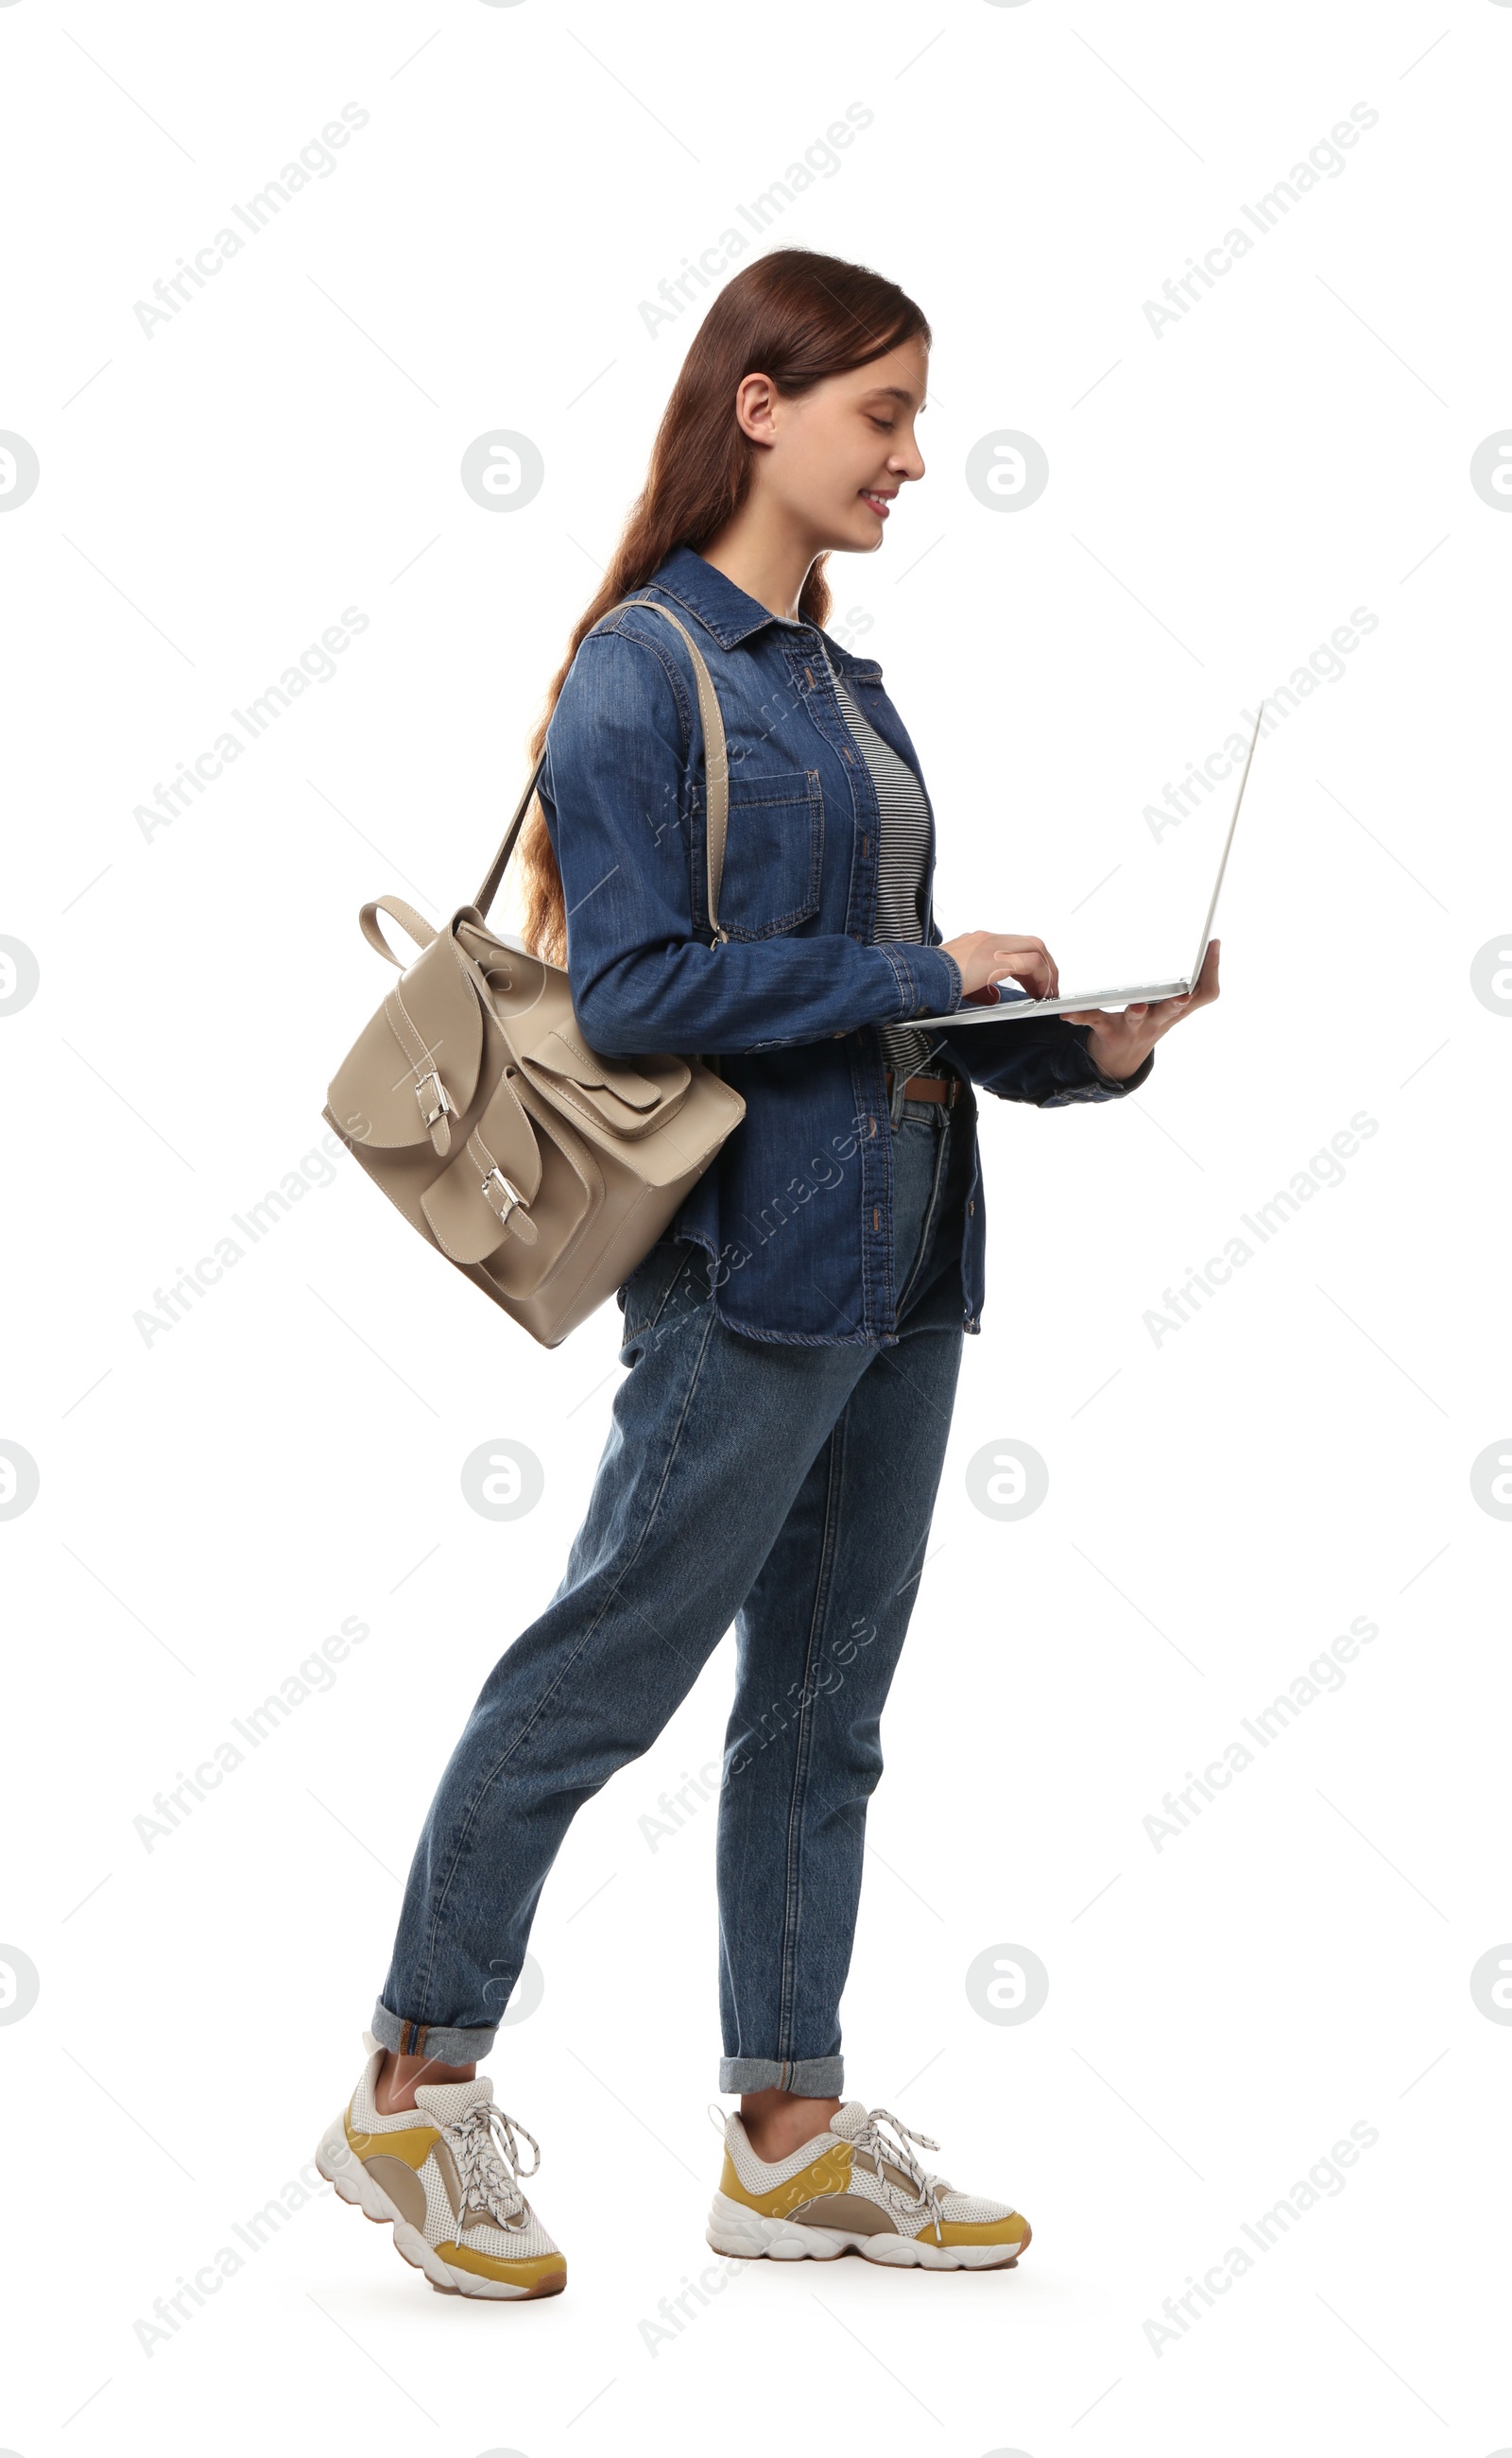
(789, 1490)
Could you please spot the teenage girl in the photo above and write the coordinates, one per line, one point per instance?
(793, 1339)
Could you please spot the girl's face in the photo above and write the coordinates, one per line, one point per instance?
(837, 457)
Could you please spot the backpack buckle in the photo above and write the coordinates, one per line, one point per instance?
(435, 1101)
(500, 1195)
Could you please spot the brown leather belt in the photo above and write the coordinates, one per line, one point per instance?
(927, 1088)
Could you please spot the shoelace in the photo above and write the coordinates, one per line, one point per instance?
(484, 2145)
(897, 2155)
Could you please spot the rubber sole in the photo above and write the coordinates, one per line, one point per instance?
(340, 2167)
(746, 2235)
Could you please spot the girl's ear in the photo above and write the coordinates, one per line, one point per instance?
(755, 404)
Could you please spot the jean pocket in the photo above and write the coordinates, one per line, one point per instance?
(774, 852)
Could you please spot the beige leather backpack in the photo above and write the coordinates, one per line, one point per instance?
(540, 1169)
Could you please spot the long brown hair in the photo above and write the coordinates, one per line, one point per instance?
(793, 315)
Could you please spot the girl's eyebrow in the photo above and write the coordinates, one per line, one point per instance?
(895, 392)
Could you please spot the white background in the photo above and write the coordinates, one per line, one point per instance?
(1221, 1504)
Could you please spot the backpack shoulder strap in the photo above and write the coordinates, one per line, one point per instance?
(716, 763)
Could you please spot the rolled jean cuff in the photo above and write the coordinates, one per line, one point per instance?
(811, 2078)
(448, 2046)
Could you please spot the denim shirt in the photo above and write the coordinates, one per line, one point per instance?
(794, 1212)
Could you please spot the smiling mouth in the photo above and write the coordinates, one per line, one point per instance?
(877, 503)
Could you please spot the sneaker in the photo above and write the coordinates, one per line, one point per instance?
(445, 2175)
(853, 2190)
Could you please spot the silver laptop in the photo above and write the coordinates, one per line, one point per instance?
(1013, 1003)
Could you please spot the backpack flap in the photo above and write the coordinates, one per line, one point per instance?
(606, 1093)
(483, 1198)
(413, 1071)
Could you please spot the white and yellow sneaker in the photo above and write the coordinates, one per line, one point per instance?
(853, 2190)
(447, 2175)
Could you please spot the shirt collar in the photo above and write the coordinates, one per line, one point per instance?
(731, 614)
(726, 611)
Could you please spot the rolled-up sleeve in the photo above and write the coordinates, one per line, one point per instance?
(616, 809)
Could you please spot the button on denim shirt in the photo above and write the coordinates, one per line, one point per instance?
(794, 1212)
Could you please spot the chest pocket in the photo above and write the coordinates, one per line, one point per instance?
(774, 852)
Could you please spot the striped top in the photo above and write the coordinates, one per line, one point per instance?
(903, 859)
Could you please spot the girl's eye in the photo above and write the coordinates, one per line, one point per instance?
(885, 423)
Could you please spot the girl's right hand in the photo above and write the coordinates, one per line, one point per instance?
(983, 955)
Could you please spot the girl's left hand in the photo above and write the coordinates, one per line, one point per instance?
(1120, 1041)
